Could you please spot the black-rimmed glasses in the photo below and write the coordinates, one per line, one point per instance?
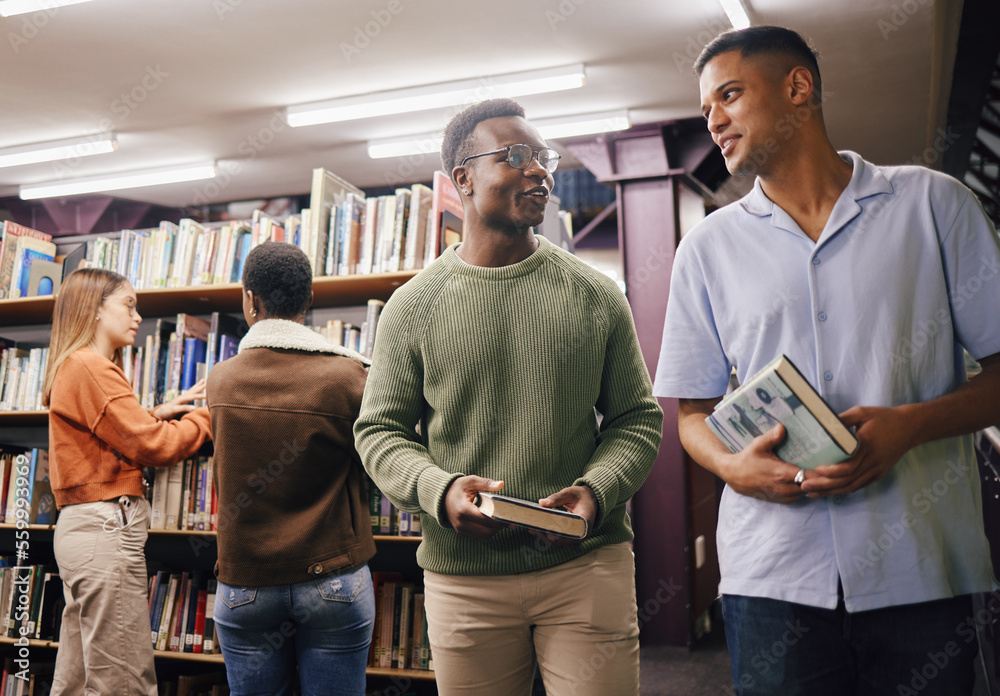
(520, 156)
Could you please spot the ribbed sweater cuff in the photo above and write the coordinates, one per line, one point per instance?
(604, 483)
(431, 486)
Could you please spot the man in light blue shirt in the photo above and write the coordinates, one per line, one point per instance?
(871, 280)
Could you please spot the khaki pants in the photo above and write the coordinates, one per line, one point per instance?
(578, 620)
(104, 643)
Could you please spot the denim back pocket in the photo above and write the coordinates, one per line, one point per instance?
(343, 587)
(234, 597)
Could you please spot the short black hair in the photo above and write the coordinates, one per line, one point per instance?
(280, 275)
(760, 41)
(458, 142)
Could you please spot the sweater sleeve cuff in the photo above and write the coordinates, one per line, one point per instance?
(604, 483)
(431, 486)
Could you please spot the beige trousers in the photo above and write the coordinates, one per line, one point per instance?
(578, 620)
(104, 643)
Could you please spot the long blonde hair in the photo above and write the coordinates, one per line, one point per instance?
(73, 325)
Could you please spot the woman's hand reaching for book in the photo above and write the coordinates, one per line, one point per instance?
(182, 404)
(463, 513)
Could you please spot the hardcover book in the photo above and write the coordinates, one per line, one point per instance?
(780, 394)
(524, 513)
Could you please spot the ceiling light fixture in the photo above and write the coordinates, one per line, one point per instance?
(9, 8)
(436, 96)
(549, 128)
(123, 180)
(738, 13)
(58, 150)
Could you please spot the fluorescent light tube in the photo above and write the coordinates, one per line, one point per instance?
(123, 180)
(737, 12)
(583, 124)
(9, 8)
(57, 150)
(436, 96)
(549, 128)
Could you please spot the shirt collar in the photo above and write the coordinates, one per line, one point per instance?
(866, 180)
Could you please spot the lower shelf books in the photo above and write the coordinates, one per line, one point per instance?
(399, 639)
(31, 600)
(180, 612)
(814, 435)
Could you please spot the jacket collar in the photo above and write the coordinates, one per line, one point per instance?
(290, 335)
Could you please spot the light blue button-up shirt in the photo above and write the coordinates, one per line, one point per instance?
(876, 313)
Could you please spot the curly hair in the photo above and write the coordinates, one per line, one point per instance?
(458, 142)
(281, 276)
(763, 41)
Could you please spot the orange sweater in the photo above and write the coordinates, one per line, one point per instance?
(100, 437)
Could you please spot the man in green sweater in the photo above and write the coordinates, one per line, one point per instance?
(506, 349)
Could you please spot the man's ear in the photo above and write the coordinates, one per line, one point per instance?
(462, 178)
(800, 83)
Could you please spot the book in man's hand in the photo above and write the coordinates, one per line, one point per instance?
(814, 435)
(524, 513)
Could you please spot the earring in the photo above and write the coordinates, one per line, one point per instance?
(466, 191)
(253, 312)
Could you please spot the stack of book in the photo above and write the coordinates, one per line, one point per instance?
(21, 248)
(180, 612)
(24, 474)
(399, 639)
(22, 373)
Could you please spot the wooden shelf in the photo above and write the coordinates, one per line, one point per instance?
(23, 419)
(331, 291)
(379, 538)
(416, 674)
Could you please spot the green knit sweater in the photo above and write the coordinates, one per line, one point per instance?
(505, 367)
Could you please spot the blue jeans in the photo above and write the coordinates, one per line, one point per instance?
(324, 626)
(790, 649)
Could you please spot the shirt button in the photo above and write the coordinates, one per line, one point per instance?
(816, 261)
(838, 499)
(822, 316)
(828, 376)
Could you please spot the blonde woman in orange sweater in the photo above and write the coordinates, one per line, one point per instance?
(100, 437)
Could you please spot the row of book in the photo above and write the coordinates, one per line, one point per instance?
(22, 372)
(181, 612)
(23, 251)
(184, 497)
(24, 475)
(342, 233)
(17, 681)
(399, 638)
(387, 519)
(31, 600)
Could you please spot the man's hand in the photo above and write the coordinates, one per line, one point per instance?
(757, 471)
(579, 500)
(884, 436)
(182, 404)
(463, 515)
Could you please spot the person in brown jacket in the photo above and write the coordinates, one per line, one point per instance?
(294, 530)
(100, 437)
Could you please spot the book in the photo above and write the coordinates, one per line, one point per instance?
(27, 251)
(446, 216)
(778, 393)
(525, 513)
(328, 190)
(416, 230)
(8, 251)
(352, 223)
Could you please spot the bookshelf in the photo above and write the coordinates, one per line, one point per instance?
(168, 546)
